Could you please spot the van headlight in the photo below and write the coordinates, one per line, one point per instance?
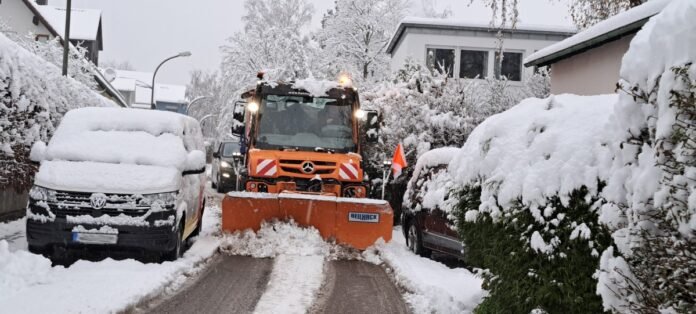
(39, 193)
(168, 198)
(224, 164)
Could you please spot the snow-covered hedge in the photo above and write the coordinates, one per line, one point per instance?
(651, 199)
(527, 185)
(33, 98)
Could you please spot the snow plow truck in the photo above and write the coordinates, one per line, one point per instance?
(302, 160)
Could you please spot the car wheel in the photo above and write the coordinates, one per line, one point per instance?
(415, 241)
(178, 249)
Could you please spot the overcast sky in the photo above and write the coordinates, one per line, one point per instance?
(144, 32)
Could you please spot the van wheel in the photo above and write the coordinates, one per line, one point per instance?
(178, 249)
(415, 241)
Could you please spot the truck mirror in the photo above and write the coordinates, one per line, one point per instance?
(238, 113)
(372, 126)
(238, 118)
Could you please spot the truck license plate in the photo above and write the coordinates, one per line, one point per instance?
(363, 217)
(94, 238)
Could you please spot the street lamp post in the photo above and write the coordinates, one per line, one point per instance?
(195, 101)
(152, 97)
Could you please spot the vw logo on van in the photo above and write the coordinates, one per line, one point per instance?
(97, 200)
(308, 167)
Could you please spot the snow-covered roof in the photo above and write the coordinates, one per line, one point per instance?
(139, 82)
(84, 23)
(456, 24)
(608, 30)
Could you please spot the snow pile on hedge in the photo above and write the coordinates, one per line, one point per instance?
(538, 149)
(33, 98)
(651, 207)
(431, 287)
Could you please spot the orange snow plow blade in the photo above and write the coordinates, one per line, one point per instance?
(355, 222)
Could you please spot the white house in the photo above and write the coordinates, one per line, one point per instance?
(589, 62)
(468, 50)
(136, 89)
(47, 22)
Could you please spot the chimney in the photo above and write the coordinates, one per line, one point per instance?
(42, 2)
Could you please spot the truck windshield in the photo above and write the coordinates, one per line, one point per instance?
(305, 123)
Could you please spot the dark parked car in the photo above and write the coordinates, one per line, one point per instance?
(227, 160)
(426, 226)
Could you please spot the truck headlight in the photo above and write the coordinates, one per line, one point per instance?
(168, 198)
(224, 164)
(39, 193)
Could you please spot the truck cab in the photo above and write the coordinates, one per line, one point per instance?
(304, 136)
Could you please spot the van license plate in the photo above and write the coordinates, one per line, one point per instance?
(363, 217)
(94, 238)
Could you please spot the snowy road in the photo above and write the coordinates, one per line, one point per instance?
(232, 284)
(282, 268)
(358, 287)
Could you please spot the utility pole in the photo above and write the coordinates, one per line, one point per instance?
(66, 38)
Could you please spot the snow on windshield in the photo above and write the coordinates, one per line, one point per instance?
(127, 136)
(305, 122)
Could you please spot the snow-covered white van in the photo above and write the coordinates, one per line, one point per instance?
(113, 179)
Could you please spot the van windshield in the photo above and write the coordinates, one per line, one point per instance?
(305, 123)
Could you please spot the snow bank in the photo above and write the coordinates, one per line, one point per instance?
(538, 149)
(13, 233)
(107, 286)
(431, 287)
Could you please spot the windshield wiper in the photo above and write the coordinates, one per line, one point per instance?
(323, 150)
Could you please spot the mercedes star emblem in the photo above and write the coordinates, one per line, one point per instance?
(308, 167)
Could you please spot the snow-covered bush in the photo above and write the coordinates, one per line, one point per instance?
(33, 98)
(426, 111)
(526, 196)
(651, 204)
(51, 51)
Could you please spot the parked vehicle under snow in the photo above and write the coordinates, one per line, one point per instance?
(114, 178)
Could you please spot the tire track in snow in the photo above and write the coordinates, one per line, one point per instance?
(232, 285)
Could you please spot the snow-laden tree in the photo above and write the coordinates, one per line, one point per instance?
(79, 67)
(430, 9)
(586, 13)
(355, 35)
(208, 93)
(271, 41)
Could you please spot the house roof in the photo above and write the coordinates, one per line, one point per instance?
(85, 24)
(599, 34)
(140, 82)
(451, 24)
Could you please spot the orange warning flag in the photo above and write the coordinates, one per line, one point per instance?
(399, 161)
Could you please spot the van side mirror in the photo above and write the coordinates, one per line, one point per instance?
(238, 118)
(372, 126)
(195, 163)
(216, 155)
(38, 152)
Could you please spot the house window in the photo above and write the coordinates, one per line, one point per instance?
(474, 64)
(441, 60)
(512, 66)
